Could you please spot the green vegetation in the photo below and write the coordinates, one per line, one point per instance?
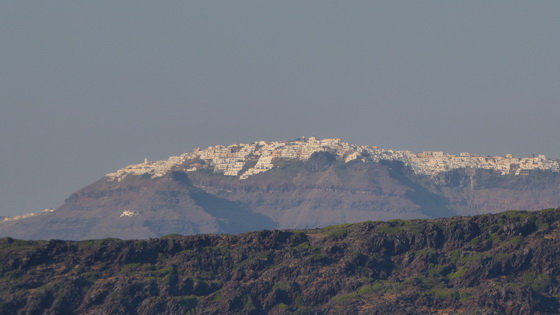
(440, 266)
(248, 303)
(338, 226)
(364, 289)
(281, 285)
(97, 243)
(344, 297)
(302, 311)
(266, 255)
(282, 307)
(384, 286)
(388, 229)
(318, 257)
(189, 301)
(544, 226)
(512, 243)
(10, 243)
(396, 226)
(454, 256)
(475, 241)
(446, 293)
(336, 231)
(90, 276)
(461, 271)
(169, 270)
(304, 245)
(427, 253)
(495, 238)
(516, 214)
(538, 283)
(217, 297)
(426, 282)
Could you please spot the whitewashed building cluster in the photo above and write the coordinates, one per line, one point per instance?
(27, 215)
(233, 160)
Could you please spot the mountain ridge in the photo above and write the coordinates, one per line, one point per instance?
(308, 183)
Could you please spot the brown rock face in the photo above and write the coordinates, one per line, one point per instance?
(295, 194)
(490, 264)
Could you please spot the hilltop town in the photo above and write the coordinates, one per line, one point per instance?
(291, 184)
(244, 160)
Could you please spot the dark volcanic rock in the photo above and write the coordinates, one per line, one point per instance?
(491, 264)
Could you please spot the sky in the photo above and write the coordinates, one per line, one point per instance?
(87, 87)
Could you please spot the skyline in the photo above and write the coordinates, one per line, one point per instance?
(87, 88)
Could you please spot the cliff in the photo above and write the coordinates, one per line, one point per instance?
(286, 185)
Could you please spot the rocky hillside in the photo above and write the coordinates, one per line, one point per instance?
(490, 264)
(286, 185)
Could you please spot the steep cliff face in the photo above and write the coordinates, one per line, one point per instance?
(320, 191)
(140, 207)
(303, 195)
(489, 264)
(475, 191)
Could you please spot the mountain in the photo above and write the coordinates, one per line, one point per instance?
(304, 183)
(488, 264)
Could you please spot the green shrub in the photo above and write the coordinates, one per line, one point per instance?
(189, 301)
(475, 241)
(300, 301)
(281, 285)
(318, 257)
(304, 245)
(282, 307)
(538, 283)
(344, 297)
(338, 233)
(495, 238)
(454, 256)
(248, 303)
(458, 274)
(365, 289)
(542, 283)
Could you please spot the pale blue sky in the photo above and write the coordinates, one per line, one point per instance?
(88, 87)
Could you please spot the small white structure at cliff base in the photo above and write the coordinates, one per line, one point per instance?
(129, 213)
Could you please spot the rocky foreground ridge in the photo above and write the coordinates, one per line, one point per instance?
(305, 183)
(503, 263)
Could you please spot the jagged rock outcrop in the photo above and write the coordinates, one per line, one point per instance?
(503, 263)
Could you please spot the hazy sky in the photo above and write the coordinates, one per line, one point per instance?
(87, 87)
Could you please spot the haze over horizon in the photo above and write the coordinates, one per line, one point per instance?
(87, 88)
